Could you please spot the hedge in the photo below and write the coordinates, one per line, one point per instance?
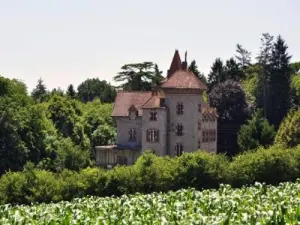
(151, 173)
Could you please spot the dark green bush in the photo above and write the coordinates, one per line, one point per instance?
(200, 170)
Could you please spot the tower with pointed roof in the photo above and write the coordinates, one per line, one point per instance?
(170, 120)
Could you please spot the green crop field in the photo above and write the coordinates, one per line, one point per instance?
(259, 204)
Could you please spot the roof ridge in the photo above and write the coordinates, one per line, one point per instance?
(133, 91)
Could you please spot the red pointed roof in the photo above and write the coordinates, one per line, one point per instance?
(184, 79)
(126, 100)
(176, 64)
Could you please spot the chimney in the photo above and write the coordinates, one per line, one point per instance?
(184, 64)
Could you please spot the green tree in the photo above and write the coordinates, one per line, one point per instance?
(157, 78)
(66, 116)
(194, 69)
(289, 130)
(138, 76)
(251, 84)
(280, 78)
(99, 125)
(243, 56)
(233, 70)
(256, 132)
(217, 74)
(264, 61)
(71, 92)
(295, 68)
(39, 93)
(230, 101)
(94, 88)
(70, 156)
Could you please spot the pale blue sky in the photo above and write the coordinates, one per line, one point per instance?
(67, 41)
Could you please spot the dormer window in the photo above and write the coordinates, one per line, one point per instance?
(153, 115)
(133, 112)
(179, 129)
(179, 108)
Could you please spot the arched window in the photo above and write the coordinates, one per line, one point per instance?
(178, 149)
(132, 134)
(152, 135)
(179, 129)
(179, 108)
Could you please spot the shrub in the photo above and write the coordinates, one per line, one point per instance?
(257, 131)
(272, 166)
(12, 188)
(153, 174)
(289, 130)
(200, 170)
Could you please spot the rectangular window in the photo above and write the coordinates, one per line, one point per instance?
(179, 109)
(199, 144)
(199, 108)
(152, 135)
(179, 130)
(153, 115)
(132, 134)
(199, 125)
(179, 149)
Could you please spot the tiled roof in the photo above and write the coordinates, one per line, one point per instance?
(124, 100)
(208, 111)
(184, 79)
(153, 102)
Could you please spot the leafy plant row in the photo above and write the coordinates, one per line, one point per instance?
(260, 204)
(153, 174)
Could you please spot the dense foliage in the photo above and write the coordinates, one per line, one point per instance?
(152, 174)
(139, 76)
(51, 130)
(256, 132)
(289, 130)
(259, 204)
(230, 100)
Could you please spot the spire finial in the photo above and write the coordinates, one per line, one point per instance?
(185, 56)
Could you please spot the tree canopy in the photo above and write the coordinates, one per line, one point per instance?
(139, 76)
(256, 132)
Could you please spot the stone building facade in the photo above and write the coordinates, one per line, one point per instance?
(169, 120)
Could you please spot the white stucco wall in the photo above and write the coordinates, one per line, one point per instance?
(123, 126)
(161, 125)
(189, 120)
